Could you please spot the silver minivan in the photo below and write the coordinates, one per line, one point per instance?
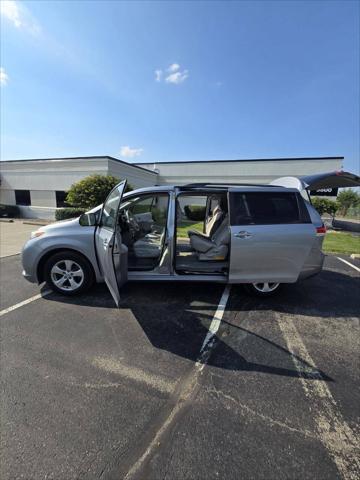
(258, 235)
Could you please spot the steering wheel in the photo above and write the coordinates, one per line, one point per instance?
(131, 221)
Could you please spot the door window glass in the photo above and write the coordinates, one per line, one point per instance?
(152, 207)
(108, 216)
(261, 208)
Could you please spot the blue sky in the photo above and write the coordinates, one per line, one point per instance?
(156, 81)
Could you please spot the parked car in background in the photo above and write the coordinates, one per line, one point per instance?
(258, 235)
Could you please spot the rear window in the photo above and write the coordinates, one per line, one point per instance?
(263, 208)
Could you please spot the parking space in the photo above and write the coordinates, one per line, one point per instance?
(13, 236)
(13, 288)
(91, 391)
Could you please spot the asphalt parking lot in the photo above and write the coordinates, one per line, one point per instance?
(144, 391)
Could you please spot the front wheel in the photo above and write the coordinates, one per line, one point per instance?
(265, 289)
(68, 273)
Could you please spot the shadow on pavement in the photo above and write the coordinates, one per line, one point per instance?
(176, 317)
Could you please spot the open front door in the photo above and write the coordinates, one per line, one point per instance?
(112, 254)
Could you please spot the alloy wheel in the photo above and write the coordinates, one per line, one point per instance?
(67, 275)
(265, 287)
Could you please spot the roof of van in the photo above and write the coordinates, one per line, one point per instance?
(208, 187)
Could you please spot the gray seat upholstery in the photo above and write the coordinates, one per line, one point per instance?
(215, 247)
(149, 246)
(211, 225)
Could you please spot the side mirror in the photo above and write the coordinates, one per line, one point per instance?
(88, 220)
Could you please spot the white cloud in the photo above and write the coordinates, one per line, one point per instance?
(4, 77)
(128, 152)
(19, 15)
(10, 10)
(174, 74)
(177, 77)
(174, 67)
(158, 75)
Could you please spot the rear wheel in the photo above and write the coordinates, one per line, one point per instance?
(68, 273)
(264, 289)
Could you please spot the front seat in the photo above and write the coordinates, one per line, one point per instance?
(149, 246)
(215, 247)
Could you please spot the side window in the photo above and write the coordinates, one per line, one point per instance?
(108, 215)
(151, 208)
(154, 208)
(263, 208)
(22, 197)
(60, 198)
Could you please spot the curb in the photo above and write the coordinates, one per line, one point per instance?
(40, 224)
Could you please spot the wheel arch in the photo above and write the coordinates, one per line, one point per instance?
(41, 265)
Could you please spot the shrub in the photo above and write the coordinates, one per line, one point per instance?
(66, 213)
(354, 212)
(10, 211)
(347, 198)
(325, 205)
(92, 191)
(194, 212)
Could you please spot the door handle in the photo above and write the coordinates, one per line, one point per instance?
(243, 234)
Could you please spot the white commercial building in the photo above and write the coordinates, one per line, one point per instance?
(39, 186)
(240, 171)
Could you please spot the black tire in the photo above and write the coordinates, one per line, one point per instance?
(57, 261)
(257, 292)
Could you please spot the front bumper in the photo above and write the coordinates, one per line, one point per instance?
(29, 277)
(29, 260)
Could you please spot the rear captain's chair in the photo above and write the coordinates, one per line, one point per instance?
(212, 224)
(215, 247)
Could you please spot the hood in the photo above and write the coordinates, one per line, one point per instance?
(61, 224)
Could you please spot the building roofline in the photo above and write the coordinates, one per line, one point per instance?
(242, 160)
(79, 158)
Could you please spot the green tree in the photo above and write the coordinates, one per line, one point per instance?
(91, 191)
(346, 199)
(325, 205)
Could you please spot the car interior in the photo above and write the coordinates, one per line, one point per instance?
(204, 246)
(143, 223)
(202, 232)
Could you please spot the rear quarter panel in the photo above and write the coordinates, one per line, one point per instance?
(315, 260)
(273, 253)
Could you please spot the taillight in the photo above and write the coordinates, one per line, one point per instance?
(321, 230)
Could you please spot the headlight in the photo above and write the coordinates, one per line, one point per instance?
(37, 233)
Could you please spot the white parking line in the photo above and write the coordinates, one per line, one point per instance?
(24, 302)
(348, 263)
(215, 323)
(188, 387)
(332, 429)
